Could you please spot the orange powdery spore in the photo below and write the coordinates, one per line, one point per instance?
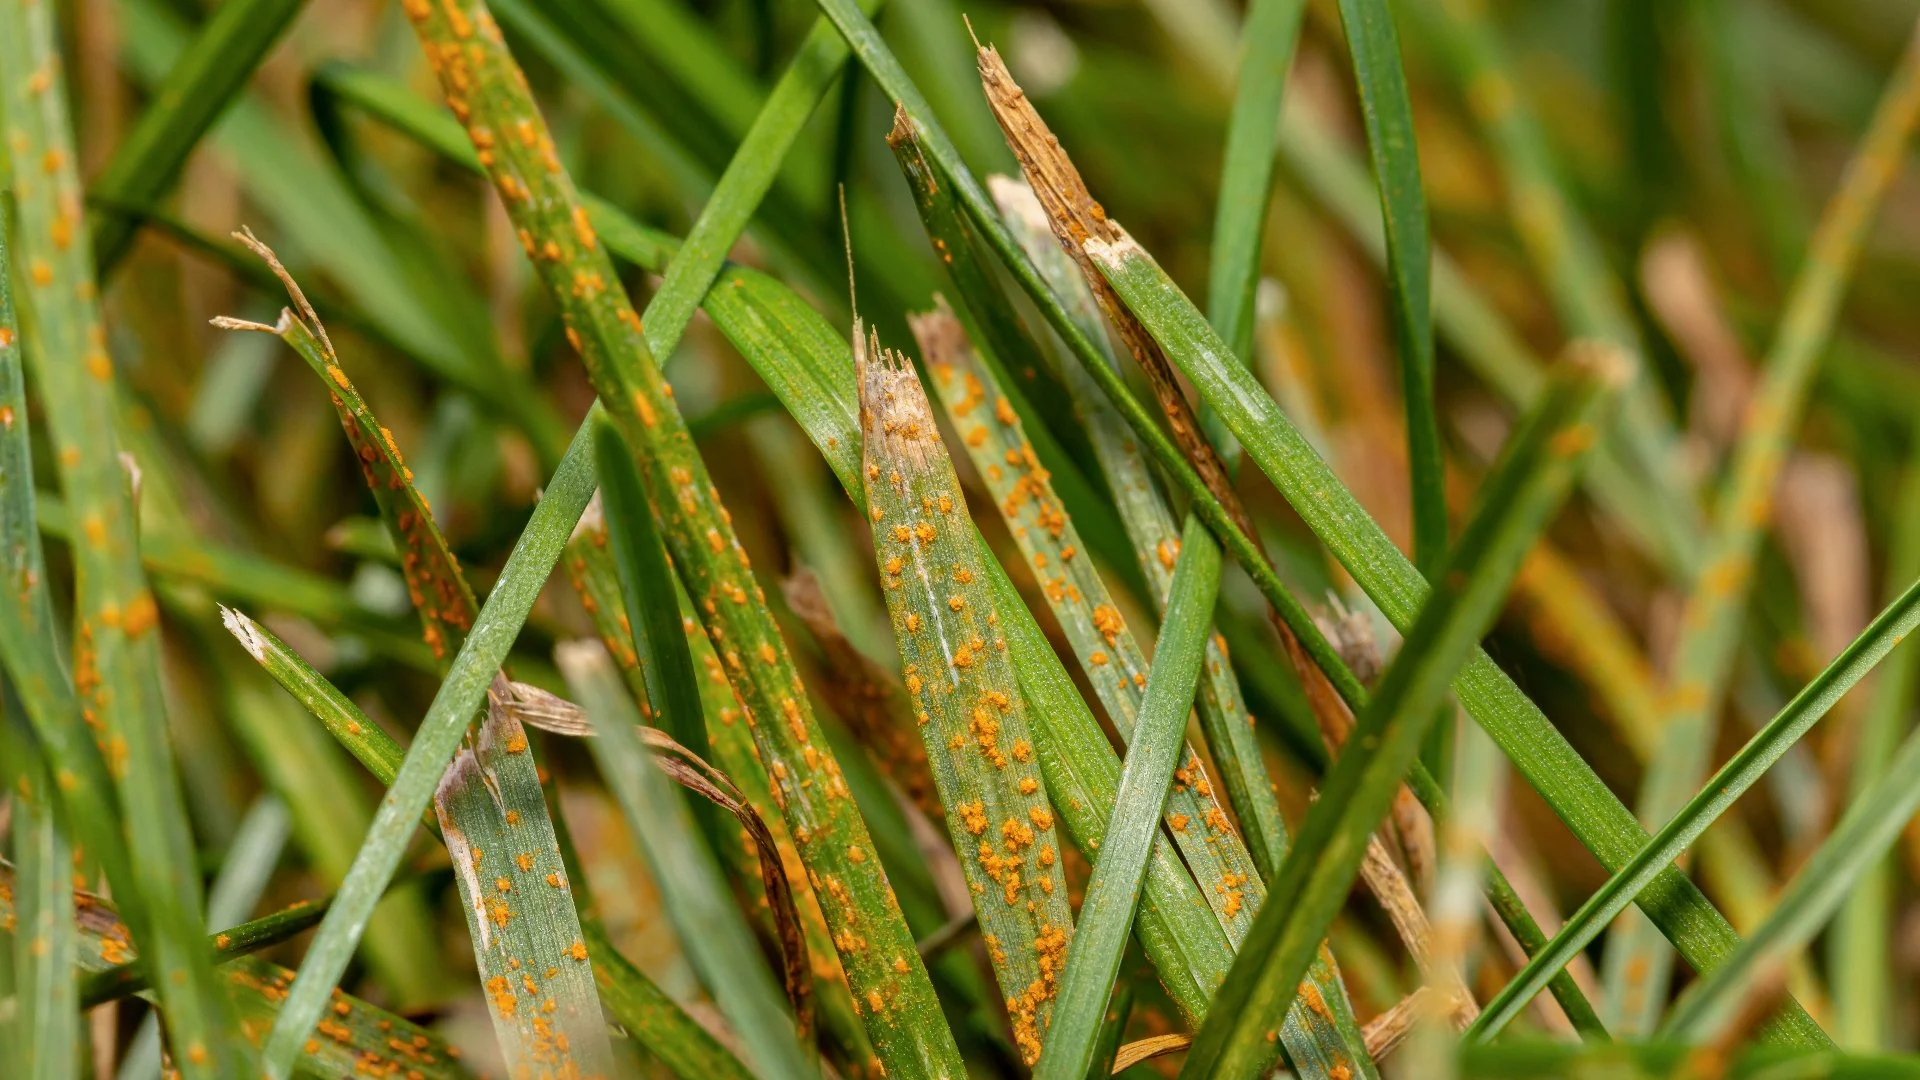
(1079, 599)
(487, 92)
(962, 681)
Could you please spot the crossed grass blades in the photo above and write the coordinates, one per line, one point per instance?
(981, 787)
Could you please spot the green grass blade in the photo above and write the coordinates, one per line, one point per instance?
(1714, 615)
(1539, 466)
(808, 365)
(484, 85)
(473, 669)
(640, 1006)
(756, 163)
(654, 1020)
(1005, 344)
(116, 653)
(1872, 823)
(974, 720)
(209, 73)
(1549, 764)
(1540, 1060)
(1267, 41)
(1106, 648)
(490, 799)
(1388, 117)
(45, 1025)
(357, 1035)
(1860, 947)
(695, 895)
(1113, 891)
(1652, 515)
(230, 944)
(659, 644)
(1740, 772)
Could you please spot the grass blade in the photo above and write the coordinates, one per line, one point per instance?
(641, 1007)
(490, 799)
(696, 896)
(1267, 41)
(45, 1025)
(1388, 116)
(1112, 659)
(1862, 978)
(485, 86)
(973, 718)
(1157, 746)
(356, 1036)
(209, 73)
(116, 640)
(1872, 823)
(1538, 470)
(1740, 772)
(808, 365)
(1549, 764)
(1156, 536)
(1713, 617)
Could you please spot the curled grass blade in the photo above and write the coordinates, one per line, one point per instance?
(1713, 618)
(1388, 117)
(1740, 772)
(206, 77)
(486, 88)
(116, 641)
(1539, 466)
(1548, 763)
(974, 720)
(696, 897)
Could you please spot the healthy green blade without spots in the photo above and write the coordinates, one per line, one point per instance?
(1741, 772)
(1538, 468)
(1548, 763)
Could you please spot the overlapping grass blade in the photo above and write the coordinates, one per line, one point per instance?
(485, 86)
(973, 717)
(357, 1035)
(1548, 763)
(1538, 469)
(206, 77)
(314, 206)
(1267, 41)
(1109, 654)
(1156, 537)
(1873, 821)
(1712, 622)
(1860, 947)
(1113, 892)
(683, 866)
(490, 799)
(1585, 293)
(116, 646)
(242, 939)
(1388, 117)
(44, 1028)
(1740, 772)
(634, 1000)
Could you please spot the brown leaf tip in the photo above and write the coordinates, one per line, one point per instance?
(1062, 191)
(942, 340)
(894, 415)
